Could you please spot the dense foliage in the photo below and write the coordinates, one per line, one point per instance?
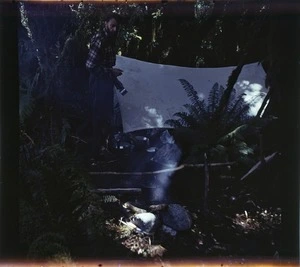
(54, 107)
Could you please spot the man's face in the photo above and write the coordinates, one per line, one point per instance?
(111, 27)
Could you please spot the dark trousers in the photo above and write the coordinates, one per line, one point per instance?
(102, 94)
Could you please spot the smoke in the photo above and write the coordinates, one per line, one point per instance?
(161, 183)
(152, 156)
(167, 156)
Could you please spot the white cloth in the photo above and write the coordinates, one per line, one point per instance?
(155, 93)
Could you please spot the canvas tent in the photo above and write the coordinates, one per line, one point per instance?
(155, 93)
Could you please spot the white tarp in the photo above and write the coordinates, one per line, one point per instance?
(155, 93)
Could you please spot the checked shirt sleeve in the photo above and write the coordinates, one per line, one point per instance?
(92, 58)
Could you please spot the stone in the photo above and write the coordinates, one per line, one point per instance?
(147, 222)
(176, 217)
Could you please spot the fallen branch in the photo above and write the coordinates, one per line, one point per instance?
(259, 164)
(164, 170)
(30, 139)
(78, 139)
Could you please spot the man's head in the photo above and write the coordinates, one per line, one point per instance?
(111, 24)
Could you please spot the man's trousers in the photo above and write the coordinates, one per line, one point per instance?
(102, 96)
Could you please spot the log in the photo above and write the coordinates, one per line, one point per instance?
(113, 191)
(164, 170)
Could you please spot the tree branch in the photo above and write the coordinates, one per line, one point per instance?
(259, 164)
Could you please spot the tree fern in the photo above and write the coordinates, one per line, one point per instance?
(200, 115)
(219, 129)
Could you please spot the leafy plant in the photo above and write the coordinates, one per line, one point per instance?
(202, 115)
(56, 189)
(50, 246)
(219, 133)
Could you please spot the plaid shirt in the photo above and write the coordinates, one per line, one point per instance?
(102, 56)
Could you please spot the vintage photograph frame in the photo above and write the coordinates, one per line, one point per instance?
(42, 42)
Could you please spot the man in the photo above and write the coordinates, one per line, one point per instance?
(100, 62)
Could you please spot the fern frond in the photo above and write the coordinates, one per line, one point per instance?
(186, 119)
(222, 89)
(174, 123)
(198, 103)
(214, 98)
(236, 105)
(194, 112)
(109, 199)
(191, 92)
(236, 111)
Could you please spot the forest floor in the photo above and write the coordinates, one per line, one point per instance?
(241, 220)
(219, 232)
